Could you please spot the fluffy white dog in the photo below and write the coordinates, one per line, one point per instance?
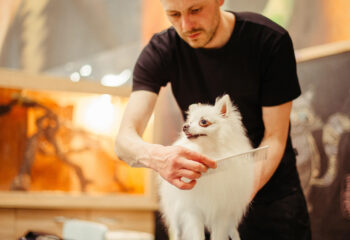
(219, 199)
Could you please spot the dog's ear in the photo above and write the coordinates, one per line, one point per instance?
(224, 105)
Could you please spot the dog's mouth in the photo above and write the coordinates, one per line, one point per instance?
(194, 136)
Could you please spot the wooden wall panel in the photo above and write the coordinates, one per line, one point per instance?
(7, 224)
(15, 223)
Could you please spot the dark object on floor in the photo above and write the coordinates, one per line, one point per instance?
(43, 236)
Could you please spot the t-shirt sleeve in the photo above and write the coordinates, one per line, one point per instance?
(149, 70)
(280, 81)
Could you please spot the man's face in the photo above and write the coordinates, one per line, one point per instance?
(196, 21)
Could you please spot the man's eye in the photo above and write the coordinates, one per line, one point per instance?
(174, 15)
(196, 10)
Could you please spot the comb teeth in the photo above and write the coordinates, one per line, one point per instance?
(256, 154)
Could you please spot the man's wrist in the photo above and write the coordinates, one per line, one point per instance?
(146, 159)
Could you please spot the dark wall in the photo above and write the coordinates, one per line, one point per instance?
(321, 131)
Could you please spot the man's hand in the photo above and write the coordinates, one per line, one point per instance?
(172, 162)
(175, 162)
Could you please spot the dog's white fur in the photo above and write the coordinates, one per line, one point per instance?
(218, 200)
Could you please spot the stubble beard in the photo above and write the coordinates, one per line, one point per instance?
(201, 43)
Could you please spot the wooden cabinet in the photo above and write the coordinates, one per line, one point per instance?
(128, 205)
(14, 223)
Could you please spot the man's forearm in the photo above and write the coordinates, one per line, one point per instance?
(264, 169)
(131, 149)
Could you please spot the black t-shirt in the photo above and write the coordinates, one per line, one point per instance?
(256, 68)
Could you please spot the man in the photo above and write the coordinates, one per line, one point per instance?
(208, 52)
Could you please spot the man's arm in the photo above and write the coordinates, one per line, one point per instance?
(276, 122)
(171, 162)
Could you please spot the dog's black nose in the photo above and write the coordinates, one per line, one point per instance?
(185, 127)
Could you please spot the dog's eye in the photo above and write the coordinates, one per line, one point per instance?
(204, 123)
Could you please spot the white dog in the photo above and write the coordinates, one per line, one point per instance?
(218, 200)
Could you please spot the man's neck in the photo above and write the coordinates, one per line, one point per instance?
(224, 31)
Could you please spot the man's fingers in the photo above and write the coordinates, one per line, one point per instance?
(200, 158)
(183, 185)
(189, 174)
(179, 162)
(193, 165)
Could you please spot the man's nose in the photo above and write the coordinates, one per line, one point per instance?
(187, 23)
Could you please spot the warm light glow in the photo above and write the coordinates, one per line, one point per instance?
(88, 124)
(115, 80)
(97, 114)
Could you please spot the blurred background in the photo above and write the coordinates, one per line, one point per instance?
(65, 76)
(62, 36)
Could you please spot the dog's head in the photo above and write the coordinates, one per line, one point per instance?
(211, 122)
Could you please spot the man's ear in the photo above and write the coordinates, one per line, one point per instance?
(224, 105)
(221, 2)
